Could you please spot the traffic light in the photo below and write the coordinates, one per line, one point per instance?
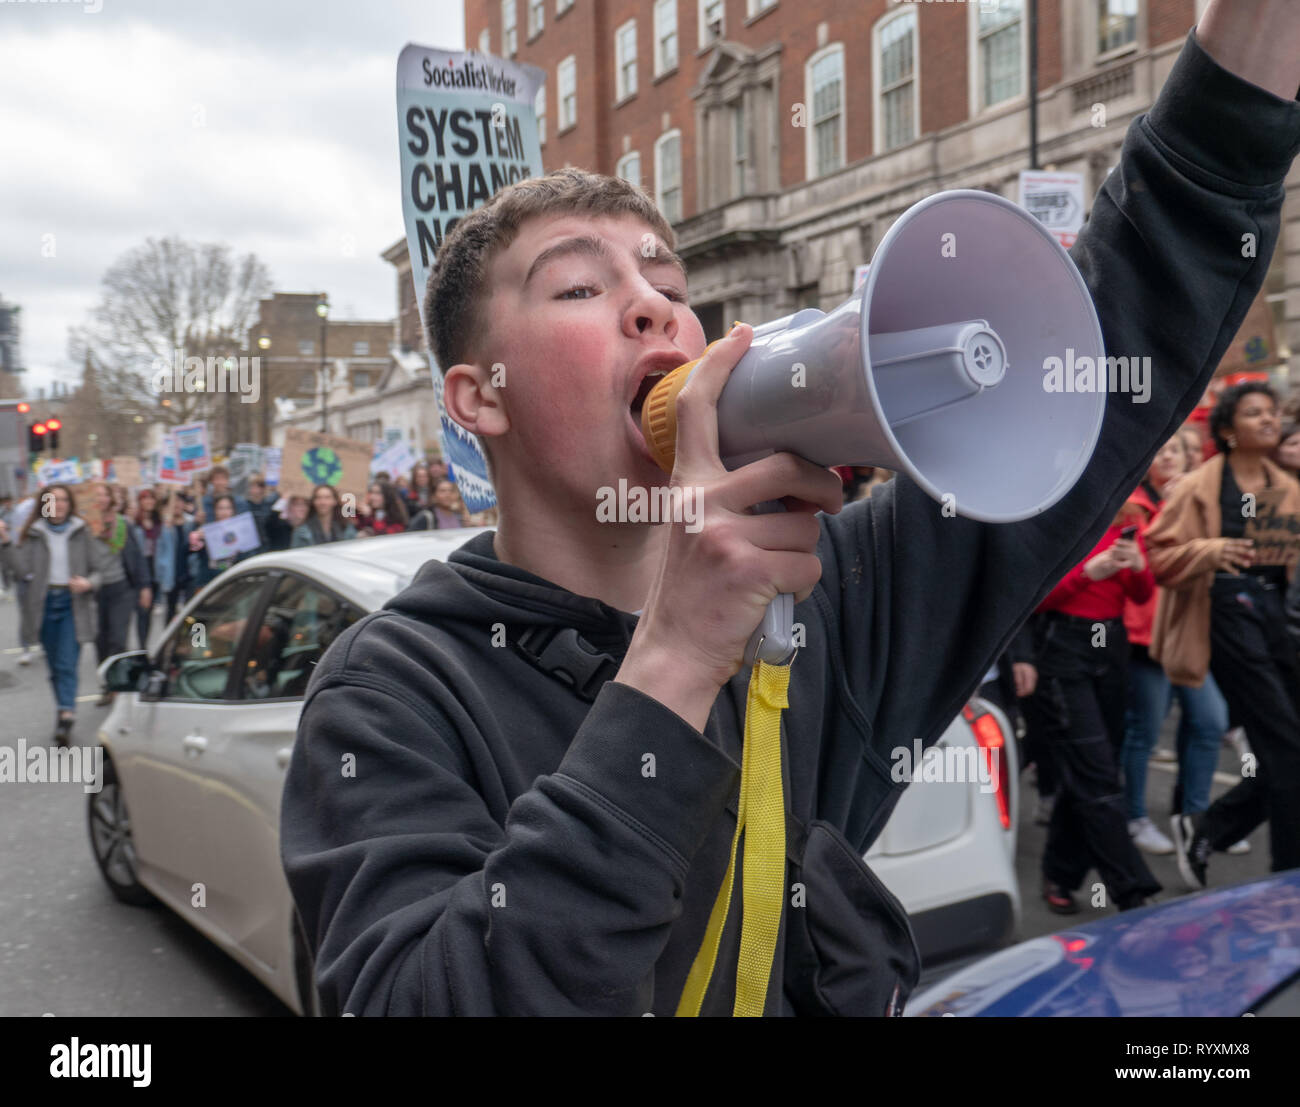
(52, 434)
(24, 408)
(36, 434)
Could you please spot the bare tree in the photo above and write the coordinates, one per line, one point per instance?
(165, 300)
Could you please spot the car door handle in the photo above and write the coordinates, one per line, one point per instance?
(194, 743)
(282, 756)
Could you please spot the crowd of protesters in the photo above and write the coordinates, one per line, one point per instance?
(1170, 606)
(97, 575)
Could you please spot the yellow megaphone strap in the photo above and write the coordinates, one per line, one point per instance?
(760, 817)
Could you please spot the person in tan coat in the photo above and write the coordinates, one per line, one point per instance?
(1221, 612)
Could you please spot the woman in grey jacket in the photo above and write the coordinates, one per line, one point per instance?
(65, 567)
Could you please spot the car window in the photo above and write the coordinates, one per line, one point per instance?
(198, 656)
(297, 628)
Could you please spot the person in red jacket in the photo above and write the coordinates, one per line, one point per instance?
(1203, 711)
(1077, 714)
(384, 511)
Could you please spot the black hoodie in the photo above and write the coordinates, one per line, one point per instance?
(463, 833)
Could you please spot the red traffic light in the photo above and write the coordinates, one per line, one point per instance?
(53, 425)
(24, 408)
(40, 428)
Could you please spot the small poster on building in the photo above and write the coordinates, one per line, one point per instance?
(1055, 200)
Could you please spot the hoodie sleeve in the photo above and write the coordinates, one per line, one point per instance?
(1175, 251)
(418, 902)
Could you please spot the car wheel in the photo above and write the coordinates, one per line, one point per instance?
(304, 972)
(111, 841)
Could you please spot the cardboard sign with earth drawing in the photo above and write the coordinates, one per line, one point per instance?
(311, 458)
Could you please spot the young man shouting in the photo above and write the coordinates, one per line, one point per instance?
(547, 728)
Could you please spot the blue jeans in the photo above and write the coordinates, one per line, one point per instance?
(62, 650)
(1200, 731)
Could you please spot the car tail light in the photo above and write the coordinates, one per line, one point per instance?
(988, 733)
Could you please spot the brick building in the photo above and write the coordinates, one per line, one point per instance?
(356, 356)
(784, 137)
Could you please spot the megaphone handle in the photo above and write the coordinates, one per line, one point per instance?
(773, 641)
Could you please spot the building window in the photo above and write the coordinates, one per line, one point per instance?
(566, 81)
(485, 41)
(711, 21)
(1117, 24)
(360, 378)
(753, 7)
(668, 175)
(999, 52)
(562, 6)
(508, 31)
(306, 347)
(536, 17)
(539, 106)
(824, 78)
(665, 36)
(309, 382)
(625, 59)
(361, 349)
(739, 147)
(897, 87)
(629, 168)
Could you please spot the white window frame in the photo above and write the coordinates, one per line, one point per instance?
(622, 86)
(485, 41)
(705, 40)
(536, 8)
(620, 170)
(908, 11)
(660, 142)
(1123, 48)
(361, 348)
(662, 6)
(977, 105)
(562, 122)
(810, 131)
(539, 109)
(509, 28)
(757, 7)
(562, 6)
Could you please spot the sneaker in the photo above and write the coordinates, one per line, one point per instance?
(25, 658)
(1058, 900)
(1192, 850)
(1238, 848)
(1162, 754)
(1148, 838)
(1236, 738)
(1043, 812)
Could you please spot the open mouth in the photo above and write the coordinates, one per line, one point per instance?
(644, 389)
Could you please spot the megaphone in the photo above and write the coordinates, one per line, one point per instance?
(936, 366)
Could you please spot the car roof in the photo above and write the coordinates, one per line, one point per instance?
(1205, 954)
(367, 571)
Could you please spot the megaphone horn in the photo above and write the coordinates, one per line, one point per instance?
(933, 367)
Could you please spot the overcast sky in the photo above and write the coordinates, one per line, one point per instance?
(269, 125)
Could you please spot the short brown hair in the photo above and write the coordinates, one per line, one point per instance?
(458, 282)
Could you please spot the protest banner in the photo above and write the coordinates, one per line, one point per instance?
(396, 460)
(1276, 535)
(271, 458)
(168, 468)
(126, 472)
(227, 537)
(245, 459)
(311, 458)
(467, 127)
(192, 452)
(86, 506)
(1056, 200)
(58, 472)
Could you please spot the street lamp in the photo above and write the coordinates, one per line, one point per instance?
(323, 310)
(231, 366)
(264, 344)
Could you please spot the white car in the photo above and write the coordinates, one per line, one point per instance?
(200, 734)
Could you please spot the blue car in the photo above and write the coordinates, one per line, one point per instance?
(1227, 952)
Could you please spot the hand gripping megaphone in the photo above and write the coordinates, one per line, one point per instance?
(934, 367)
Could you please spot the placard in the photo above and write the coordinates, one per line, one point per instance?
(58, 472)
(225, 538)
(1276, 535)
(84, 496)
(126, 471)
(397, 460)
(271, 457)
(168, 467)
(467, 127)
(1055, 200)
(192, 452)
(311, 458)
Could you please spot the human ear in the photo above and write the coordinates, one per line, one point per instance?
(472, 400)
